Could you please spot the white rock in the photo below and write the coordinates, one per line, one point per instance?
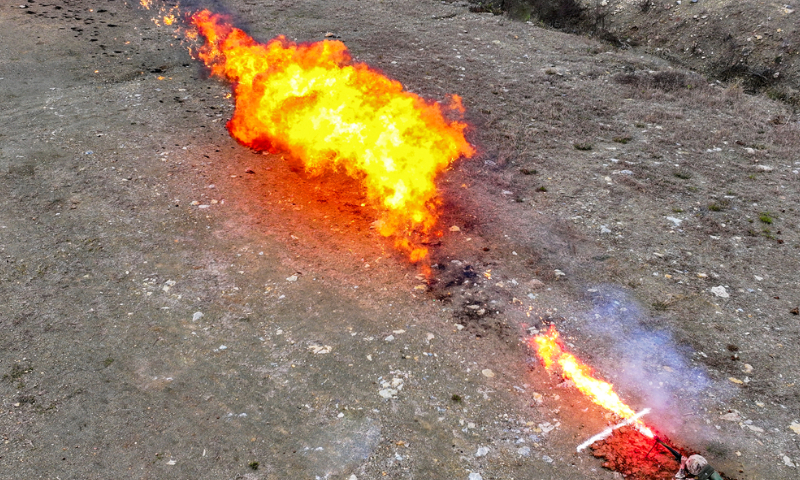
(482, 452)
(387, 393)
(487, 373)
(293, 278)
(524, 451)
(720, 291)
(197, 316)
(795, 427)
(676, 221)
(547, 459)
(390, 338)
(604, 229)
(788, 462)
(475, 476)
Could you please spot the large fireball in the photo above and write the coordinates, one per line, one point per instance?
(312, 101)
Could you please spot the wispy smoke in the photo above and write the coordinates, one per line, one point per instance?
(642, 358)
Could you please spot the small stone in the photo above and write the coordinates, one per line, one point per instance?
(475, 476)
(482, 452)
(547, 459)
(735, 380)
(764, 168)
(604, 229)
(788, 461)
(223, 347)
(524, 451)
(731, 417)
(747, 368)
(676, 221)
(795, 427)
(720, 291)
(538, 398)
(487, 373)
(455, 229)
(387, 393)
(390, 338)
(292, 278)
(755, 429)
(173, 462)
(559, 273)
(197, 316)
(535, 284)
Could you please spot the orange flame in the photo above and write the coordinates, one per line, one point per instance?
(551, 351)
(312, 101)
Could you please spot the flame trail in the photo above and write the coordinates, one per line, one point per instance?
(551, 351)
(313, 101)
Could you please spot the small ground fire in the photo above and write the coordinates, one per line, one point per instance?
(552, 352)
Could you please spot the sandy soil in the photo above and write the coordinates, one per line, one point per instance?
(648, 212)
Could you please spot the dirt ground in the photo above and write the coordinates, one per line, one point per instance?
(166, 314)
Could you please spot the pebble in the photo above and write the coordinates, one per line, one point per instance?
(547, 459)
(390, 338)
(788, 461)
(197, 316)
(487, 373)
(676, 221)
(482, 452)
(795, 427)
(524, 451)
(720, 291)
(731, 417)
(475, 476)
(604, 229)
(293, 278)
(454, 228)
(535, 283)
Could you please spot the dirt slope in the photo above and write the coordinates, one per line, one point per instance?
(165, 313)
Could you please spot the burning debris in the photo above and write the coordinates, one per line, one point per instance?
(312, 101)
(640, 458)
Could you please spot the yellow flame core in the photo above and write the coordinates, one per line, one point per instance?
(311, 100)
(551, 351)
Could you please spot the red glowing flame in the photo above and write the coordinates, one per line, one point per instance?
(312, 101)
(552, 352)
